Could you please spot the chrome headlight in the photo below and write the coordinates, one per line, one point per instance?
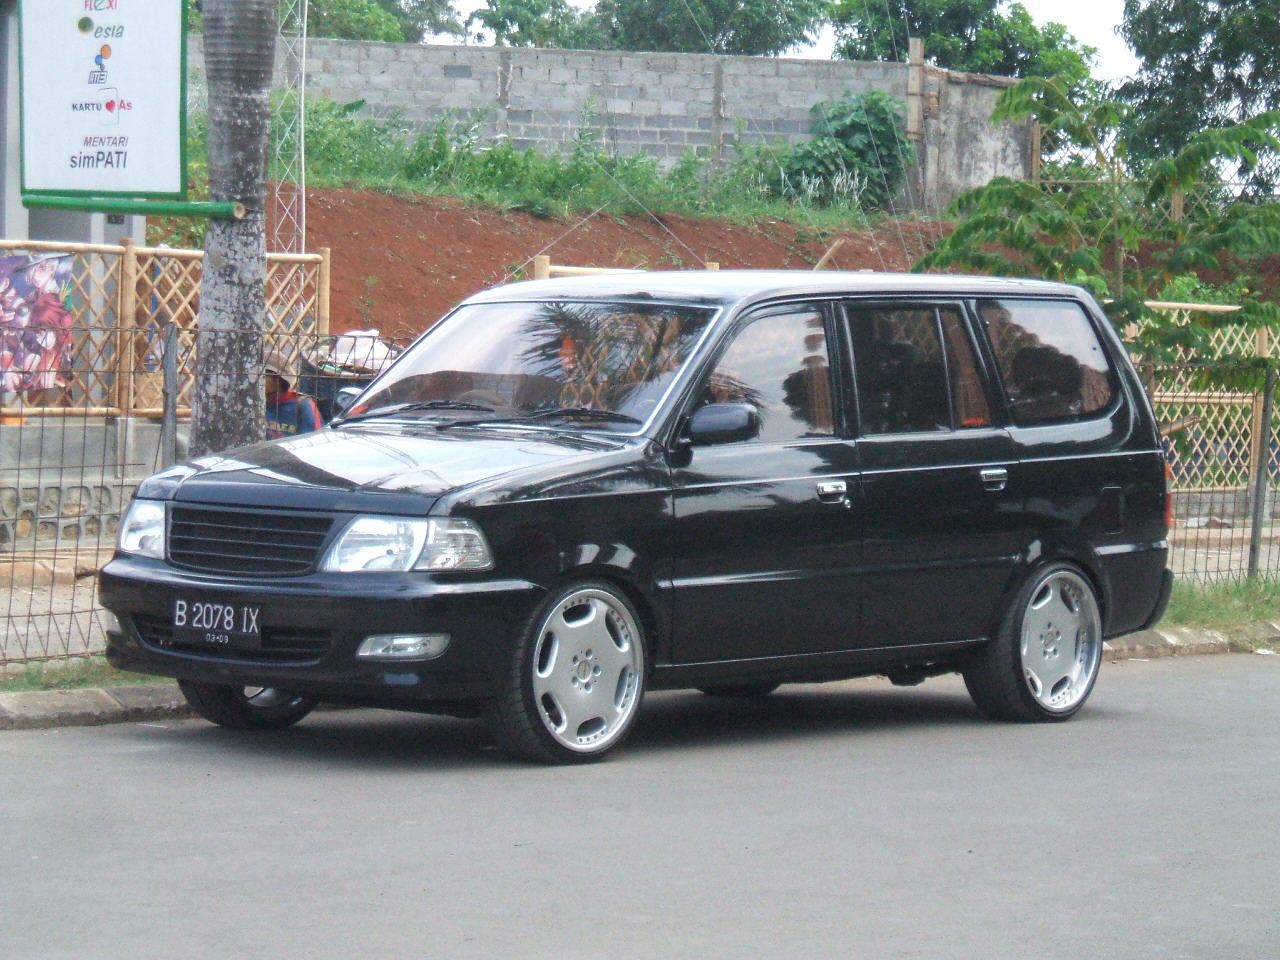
(405, 543)
(142, 529)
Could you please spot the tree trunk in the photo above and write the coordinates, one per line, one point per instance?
(239, 55)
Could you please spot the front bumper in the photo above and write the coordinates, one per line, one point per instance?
(312, 626)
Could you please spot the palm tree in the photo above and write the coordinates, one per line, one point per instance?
(239, 55)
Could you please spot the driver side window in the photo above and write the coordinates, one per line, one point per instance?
(779, 364)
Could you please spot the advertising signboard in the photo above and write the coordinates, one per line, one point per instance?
(103, 93)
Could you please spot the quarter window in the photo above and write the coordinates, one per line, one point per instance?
(1052, 363)
(779, 364)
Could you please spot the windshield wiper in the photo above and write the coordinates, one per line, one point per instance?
(418, 405)
(566, 413)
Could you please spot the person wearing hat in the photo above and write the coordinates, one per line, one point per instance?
(288, 413)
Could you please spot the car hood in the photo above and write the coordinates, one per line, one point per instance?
(382, 469)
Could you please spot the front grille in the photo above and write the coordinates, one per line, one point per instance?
(261, 542)
(279, 644)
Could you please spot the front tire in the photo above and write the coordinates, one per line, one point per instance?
(246, 708)
(1044, 659)
(575, 680)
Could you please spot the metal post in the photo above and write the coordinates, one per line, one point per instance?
(169, 417)
(1261, 473)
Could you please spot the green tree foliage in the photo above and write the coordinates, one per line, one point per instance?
(537, 23)
(420, 19)
(1114, 234)
(754, 27)
(980, 36)
(1204, 63)
(859, 153)
(352, 20)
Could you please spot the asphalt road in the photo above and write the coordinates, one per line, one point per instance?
(853, 820)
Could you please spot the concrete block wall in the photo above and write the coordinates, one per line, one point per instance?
(59, 512)
(660, 104)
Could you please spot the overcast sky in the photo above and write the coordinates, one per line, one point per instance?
(1092, 22)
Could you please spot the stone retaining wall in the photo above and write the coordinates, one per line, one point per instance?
(61, 512)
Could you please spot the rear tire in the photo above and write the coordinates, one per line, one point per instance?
(1044, 659)
(246, 708)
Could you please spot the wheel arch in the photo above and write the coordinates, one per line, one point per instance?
(643, 597)
(1047, 550)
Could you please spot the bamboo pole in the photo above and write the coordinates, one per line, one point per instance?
(589, 271)
(126, 318)
(23, 413)
(58, 246)
(322, 292)
(831, 252)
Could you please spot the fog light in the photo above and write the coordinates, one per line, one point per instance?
(401, 646)
(110, 623)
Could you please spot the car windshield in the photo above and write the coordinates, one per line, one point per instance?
(605, 365)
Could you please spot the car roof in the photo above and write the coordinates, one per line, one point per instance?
(724, 287)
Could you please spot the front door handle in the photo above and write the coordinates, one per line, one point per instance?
(995, 478)
(833, 491)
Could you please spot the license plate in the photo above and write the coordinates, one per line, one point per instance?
(215, 624)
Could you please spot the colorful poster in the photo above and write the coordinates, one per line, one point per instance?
(36, 344)
(103, 97)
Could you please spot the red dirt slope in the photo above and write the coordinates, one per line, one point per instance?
(400, 262)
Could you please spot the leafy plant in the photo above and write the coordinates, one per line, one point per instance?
(1113, 234)
(981, 36)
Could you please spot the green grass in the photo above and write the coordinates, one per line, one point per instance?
(70, 675)
(1216, 606)
(348, 149)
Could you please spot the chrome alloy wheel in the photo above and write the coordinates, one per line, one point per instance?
(588, 668)
(1061, 642)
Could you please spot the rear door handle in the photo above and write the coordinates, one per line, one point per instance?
(833, 491)
(995, 478)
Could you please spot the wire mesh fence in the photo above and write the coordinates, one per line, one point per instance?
(67, 472)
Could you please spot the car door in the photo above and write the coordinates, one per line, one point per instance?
(942, 522)
(766, 529)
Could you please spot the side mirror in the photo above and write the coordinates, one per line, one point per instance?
(345, 397)
(723, 423)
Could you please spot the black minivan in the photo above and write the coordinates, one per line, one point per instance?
(569, 492)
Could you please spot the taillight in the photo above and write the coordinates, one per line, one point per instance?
(1168, 495)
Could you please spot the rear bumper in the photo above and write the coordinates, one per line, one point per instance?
(1166, 587)
(312, 627)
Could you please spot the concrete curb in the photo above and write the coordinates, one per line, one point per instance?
(82, 708)
(161, 701)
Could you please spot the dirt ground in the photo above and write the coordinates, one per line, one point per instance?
(400, 262)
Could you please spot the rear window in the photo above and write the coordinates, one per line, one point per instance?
(1052, 363)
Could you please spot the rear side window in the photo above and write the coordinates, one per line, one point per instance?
(1053, 366)
(916, 370)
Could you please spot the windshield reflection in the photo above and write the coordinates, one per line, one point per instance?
(602, 364)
